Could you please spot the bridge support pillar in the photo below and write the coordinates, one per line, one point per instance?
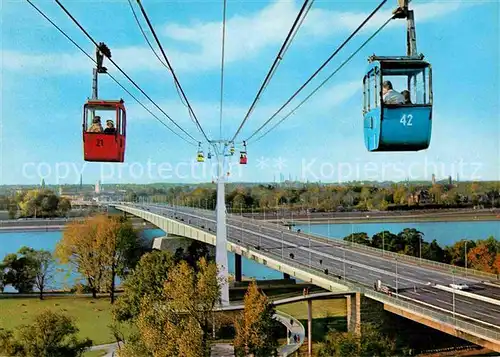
(237, 267)
(354, 313)
(309, 327)
(286, 276)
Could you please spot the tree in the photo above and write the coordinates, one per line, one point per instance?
(496, 264)
(2, 277)
(41, 265)
(50, 335)
(64, 206)
(177, 323)
(19, 271)
(483, 256)
(412, 240)
(360, 238)
(147, 278)
(256, 327)
(433, 251)
(99, 247)
(455, 254)
(386, 238)
(123, 249)
(370, 343)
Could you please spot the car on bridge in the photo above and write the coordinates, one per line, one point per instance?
(460, 286)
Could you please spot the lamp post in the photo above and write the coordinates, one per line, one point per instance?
(420, 249)
(383, 242)
(453, 275)
(466, 258)
(343, 251)
(282, 246)
(310, 251)
(397, 287)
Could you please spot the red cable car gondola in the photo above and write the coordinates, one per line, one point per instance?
(104, 144)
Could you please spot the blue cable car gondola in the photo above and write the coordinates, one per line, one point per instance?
(403, 122)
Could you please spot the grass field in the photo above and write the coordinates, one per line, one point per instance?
(327, 315)
(92, 316)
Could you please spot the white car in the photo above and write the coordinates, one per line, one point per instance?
(459, 286)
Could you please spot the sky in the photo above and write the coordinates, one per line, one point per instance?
(45, 81)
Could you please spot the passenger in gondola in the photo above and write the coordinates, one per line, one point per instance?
(96, 126)
(110, 127)
(390, 95)
(406, 96)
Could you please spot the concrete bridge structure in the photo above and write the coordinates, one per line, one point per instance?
(419, 287)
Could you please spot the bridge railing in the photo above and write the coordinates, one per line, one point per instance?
(410, 306)
(401, 257)
(384, 253)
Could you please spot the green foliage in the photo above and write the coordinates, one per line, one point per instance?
(325, 197)
(147, 278)
(194, 253)
(360, 238)
(42, 266)
(483, 255)
(176, 321)
(370, 343)
(50, 335)
(41, 203)
(256, 327)
(19, 271)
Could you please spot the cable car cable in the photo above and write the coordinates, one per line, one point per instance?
(123, 72)
(110, 75)
(152, 48)
(190, 108)
(326, 80)
(222, 65)
(279, 56)
(320, 68)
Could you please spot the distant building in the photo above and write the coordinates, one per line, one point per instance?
(42, 184)
(450, 182)
(433, 179)
(98, 187)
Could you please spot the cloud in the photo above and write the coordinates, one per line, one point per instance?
(196, 46)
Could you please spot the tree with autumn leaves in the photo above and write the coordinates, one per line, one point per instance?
(256, 328)
(100, 248)
(178, 321)
(485, 256)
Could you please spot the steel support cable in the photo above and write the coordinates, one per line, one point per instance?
(291, 34)
(110, 75)
(320, 68)
(123, 72)
(326, 80)
(190, 109)
(222, 65)
(152, 48)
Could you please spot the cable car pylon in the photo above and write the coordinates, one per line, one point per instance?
(221, 231)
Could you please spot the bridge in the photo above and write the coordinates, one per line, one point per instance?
(419, 289)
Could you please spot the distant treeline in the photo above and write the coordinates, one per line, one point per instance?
(321, 197)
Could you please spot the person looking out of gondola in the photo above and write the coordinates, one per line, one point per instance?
(390, 95)
(96, 126)
(406, 96)
(110, 127)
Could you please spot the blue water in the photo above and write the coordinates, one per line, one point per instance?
(445, 233)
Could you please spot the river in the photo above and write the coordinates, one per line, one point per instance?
(446, 233)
